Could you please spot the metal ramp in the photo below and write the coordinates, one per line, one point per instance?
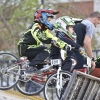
(82, 87)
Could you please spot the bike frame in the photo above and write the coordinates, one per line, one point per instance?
(86, 70)
(38, 77)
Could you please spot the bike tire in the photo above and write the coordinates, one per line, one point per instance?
(50, 90)
(30, 87)
(8, 77)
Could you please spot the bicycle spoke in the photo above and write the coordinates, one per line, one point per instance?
(51, 86)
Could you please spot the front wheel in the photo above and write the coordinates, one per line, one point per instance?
(51, 92)
(9, 71)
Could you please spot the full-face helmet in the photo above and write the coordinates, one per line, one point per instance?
(42, 15)
(63, 23)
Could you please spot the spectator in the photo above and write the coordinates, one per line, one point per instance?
(85, 31)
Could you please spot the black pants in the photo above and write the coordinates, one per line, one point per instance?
(80, 59)
(66, 64)
(36, 55)
(54, 52)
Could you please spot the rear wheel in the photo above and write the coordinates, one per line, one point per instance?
(31, 85)
(9, 71)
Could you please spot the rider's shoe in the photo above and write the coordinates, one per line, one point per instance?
(32, 69)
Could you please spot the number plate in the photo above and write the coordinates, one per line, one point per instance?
(55, 62)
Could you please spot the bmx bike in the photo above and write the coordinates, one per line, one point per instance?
(57, 82)
(12, 73)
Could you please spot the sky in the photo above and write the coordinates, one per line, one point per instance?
(63, 0)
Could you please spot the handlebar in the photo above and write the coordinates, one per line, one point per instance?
(69, 48)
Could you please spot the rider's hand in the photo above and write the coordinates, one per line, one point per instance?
(93, 65)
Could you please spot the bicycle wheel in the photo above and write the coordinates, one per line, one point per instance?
(9, 71)
(50, 90)
(33, 86)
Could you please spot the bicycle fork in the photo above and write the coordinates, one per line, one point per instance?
(59, 79)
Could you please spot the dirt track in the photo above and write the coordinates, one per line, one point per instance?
(5, 96)
(12, 95)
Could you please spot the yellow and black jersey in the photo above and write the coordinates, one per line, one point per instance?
(34, 37)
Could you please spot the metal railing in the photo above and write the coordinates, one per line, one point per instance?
(82, 87)
(96, 53)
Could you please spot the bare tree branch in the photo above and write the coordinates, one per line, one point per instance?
(6, 24)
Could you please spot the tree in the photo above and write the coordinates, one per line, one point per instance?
(15, 17)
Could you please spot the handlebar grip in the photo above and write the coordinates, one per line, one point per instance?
(68, 47)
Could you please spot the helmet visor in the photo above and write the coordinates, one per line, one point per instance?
(50, 15)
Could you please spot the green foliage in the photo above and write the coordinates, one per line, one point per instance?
(95, 42)
(15, 17)
(25, 9)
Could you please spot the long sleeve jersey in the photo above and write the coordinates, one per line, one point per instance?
(66, 39)
(35, 37)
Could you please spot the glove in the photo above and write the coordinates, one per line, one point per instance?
(68, 47)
